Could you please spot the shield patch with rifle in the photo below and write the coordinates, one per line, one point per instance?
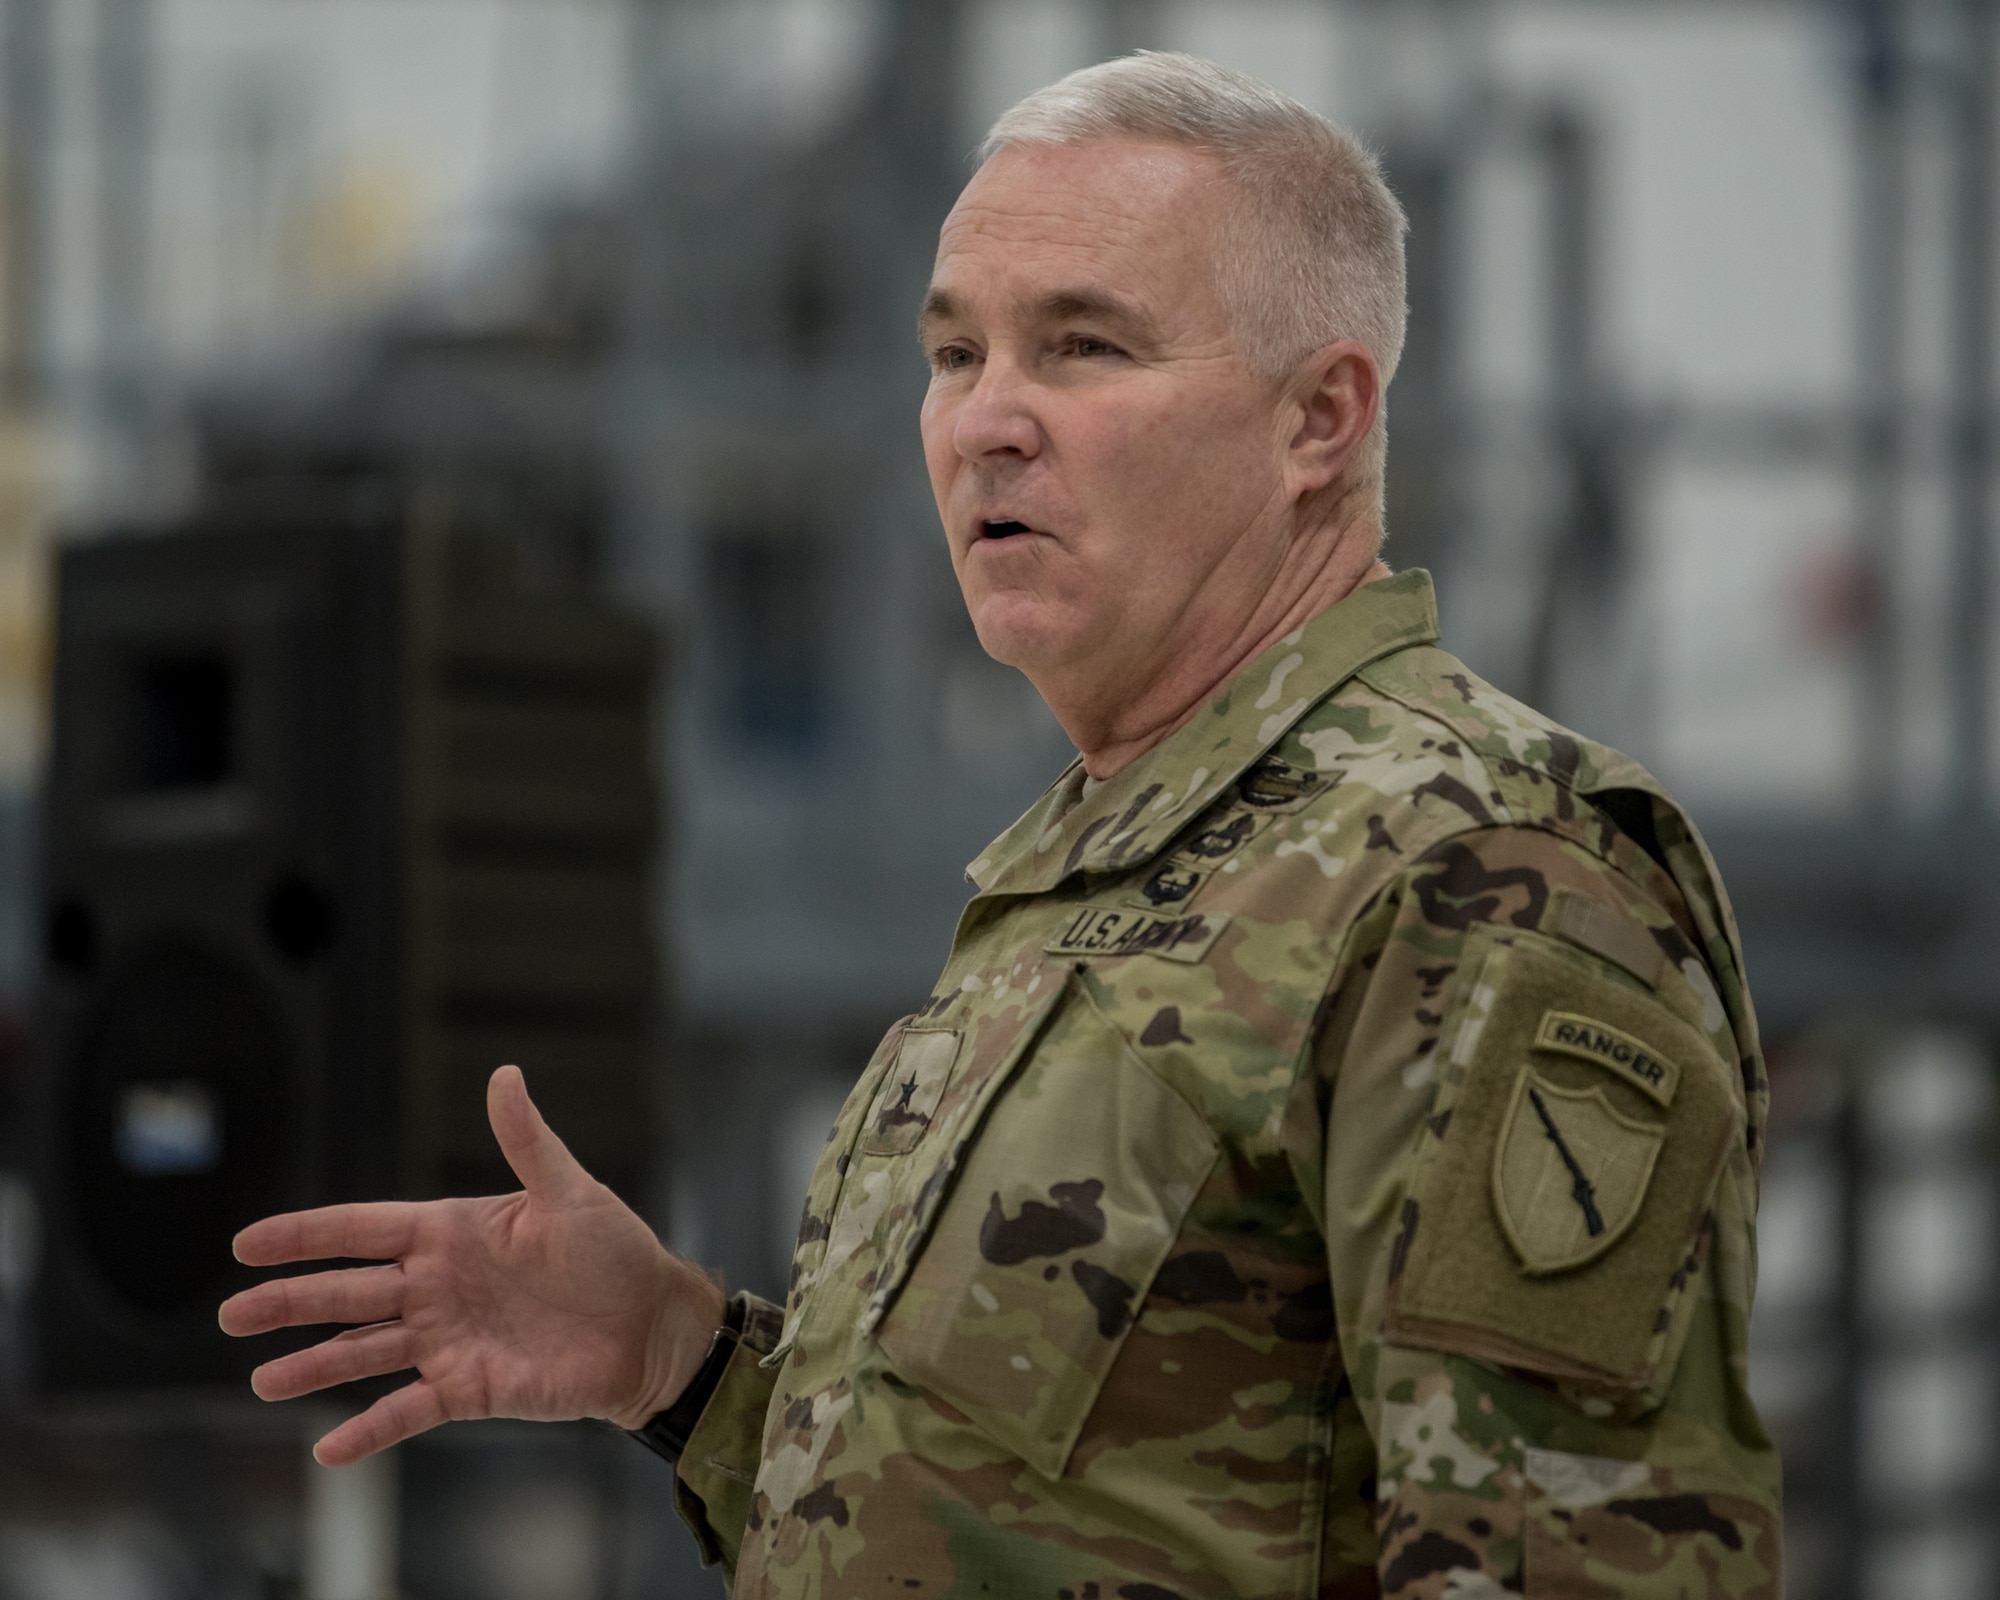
(1569, 1173)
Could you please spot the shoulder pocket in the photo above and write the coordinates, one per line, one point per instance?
(1561, 1190)
(1066, 1202)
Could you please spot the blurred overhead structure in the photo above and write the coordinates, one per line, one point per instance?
(126, 55)
(1975, 105)
(24, 140)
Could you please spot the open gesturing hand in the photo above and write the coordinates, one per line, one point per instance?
(552, 1303)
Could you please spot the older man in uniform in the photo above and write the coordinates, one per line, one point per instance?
(1327, 1164)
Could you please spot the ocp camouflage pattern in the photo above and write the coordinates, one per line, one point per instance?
(1114, 1277)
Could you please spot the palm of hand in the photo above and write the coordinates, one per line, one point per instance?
(552, 1303)
(516, 1308)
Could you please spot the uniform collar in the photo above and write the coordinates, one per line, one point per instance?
(1133, 815)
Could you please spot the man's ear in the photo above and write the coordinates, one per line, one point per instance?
(1338, 393)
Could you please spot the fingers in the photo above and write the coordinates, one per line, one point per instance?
(540, 1160)
(357, 1353)
(376, 1232)
(362, 1294)
(411, 1410)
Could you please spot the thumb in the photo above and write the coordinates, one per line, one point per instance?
(540, 1160)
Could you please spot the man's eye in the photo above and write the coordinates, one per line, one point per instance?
(951, 358)
(1087, 345)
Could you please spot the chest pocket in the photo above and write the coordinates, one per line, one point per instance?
(1018, 1300)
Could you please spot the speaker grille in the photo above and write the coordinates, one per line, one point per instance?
(179, 1120)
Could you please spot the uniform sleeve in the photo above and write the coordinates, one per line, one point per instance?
(714, 1477)
(1539, 1210)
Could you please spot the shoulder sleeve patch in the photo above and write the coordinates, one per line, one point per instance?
(1560, 1193)
(1570, 1172)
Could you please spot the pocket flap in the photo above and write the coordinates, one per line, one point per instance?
(1034, 1268)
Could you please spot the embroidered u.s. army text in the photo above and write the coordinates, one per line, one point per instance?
(1102, 931)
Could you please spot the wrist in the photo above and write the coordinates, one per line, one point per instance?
(692, 1311)
(667, 1433)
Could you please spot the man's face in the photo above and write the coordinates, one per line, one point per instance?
(1109, 472)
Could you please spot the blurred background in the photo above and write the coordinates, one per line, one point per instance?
(468, 591)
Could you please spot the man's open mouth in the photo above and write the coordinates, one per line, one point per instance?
(1001, 528)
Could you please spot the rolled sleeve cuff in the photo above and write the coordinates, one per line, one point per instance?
(717, 1469)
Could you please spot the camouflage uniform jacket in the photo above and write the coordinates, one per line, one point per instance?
(1326, 1166)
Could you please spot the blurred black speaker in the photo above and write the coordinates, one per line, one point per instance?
(344, 809)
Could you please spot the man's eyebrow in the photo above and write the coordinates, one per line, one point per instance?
(1064, 305)
(938, 307)
(1102, 304)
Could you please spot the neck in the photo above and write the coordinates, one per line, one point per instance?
(1166, 705)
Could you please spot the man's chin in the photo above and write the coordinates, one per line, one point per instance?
(1021, 633)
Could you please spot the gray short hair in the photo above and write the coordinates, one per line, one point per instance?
(1320, 252)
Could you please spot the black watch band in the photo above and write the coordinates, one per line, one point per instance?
(666, 1433)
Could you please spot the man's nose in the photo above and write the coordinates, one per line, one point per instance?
(997, 418)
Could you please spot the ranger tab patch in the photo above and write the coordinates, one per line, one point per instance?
(1628, 1059)
(1109, 931)
(1569, 1173)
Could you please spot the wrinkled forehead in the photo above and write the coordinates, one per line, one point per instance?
(1139, 218)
